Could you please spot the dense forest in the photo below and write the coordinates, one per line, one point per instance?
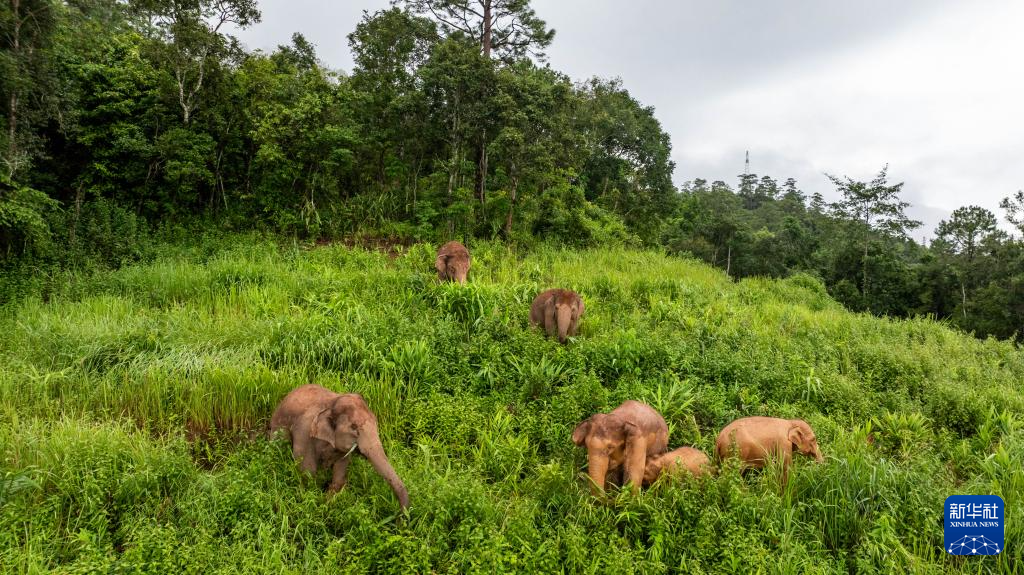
(126, 122)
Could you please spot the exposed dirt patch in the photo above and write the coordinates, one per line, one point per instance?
(389, 246)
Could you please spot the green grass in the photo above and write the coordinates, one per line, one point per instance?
(132, 404)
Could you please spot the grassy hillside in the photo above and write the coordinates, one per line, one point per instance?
(130, 402)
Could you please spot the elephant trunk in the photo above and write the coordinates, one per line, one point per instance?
(564, 319)
(597, 468)
(374, 452)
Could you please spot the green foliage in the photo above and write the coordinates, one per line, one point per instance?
(24, 228)
(122, 116)
(133, 404)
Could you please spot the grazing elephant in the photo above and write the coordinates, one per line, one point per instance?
(327, 427)
(452, 262)
(558, 312)
(755, 439)
(625, 437)
(676, 462)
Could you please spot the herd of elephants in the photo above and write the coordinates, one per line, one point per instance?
(627, 444)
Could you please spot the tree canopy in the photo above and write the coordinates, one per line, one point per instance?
(125, 119)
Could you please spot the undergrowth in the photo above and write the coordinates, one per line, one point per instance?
(132, 405)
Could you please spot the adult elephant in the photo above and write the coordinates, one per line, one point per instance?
(622, 438)
(755, 440)
(326, 428)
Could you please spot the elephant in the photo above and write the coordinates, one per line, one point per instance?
(625, 437)
(558, 312)
(326, 428)
(755, 439)
(681, 460)
(452, 262)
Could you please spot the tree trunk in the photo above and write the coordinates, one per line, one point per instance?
(511, 207)
(481, 166)
(415, 184)
(452, 170)
(485, 40)
(728, 260)
(73, 235)
(963, 294)
(481, 173)
(12, 109)
(864, 281)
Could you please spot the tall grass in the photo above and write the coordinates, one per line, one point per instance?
(132, 405)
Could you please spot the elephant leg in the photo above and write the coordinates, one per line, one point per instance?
(636, 461)
(550, 321)
(340, 476)
(305, 454)
(787, 458)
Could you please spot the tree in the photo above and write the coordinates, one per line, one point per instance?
(966, 229)
(27, 31)
(962, 234)
(876, 205)
(531, 146)
(1014, 206)
(628, 166)
(190, 40)
(389, 47)
(457, 83)
(509, 29)
(710, 225)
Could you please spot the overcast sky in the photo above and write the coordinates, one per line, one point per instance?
(934, 88)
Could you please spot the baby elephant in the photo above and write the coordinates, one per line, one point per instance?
(452, 262)
(325, 428)
(677, 462)
(558, 312)
(755, 439)
(625, 437)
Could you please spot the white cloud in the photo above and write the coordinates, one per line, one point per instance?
(939, 102)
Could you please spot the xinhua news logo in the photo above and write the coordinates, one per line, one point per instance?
(974, 525)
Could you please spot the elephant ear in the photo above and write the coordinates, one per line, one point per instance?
(796, 437)
(579, 435)
(323, 426)
(578, 307)
(550, 321)
(441, 263)
(549, 302)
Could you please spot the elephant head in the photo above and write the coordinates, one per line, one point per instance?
(452, 262)
(347, 424)
(604, 436)
(802, 437)
(563, 311)
(625, 437)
